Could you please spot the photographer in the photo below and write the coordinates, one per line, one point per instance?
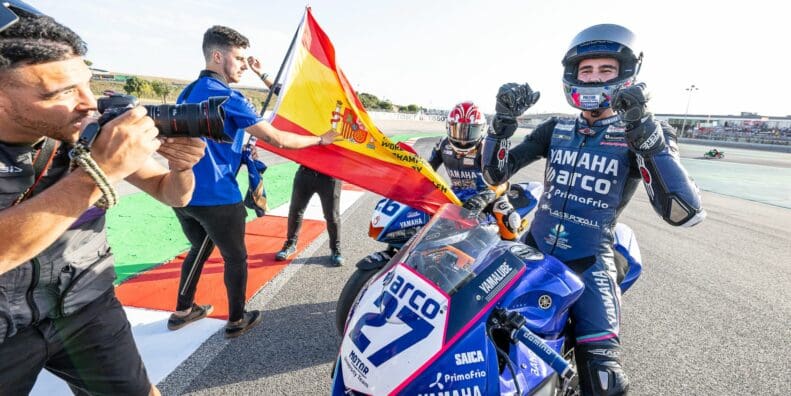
(58, 309)
(216, 213)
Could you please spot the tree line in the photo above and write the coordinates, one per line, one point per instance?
(371, 102)
(143, 88)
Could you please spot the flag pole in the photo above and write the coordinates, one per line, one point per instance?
(207, 245)
(283, 64)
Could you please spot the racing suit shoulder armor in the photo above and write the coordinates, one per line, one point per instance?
(671, 191)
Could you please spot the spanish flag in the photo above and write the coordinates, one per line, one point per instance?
(316, 96)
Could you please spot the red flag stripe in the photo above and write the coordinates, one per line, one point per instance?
(319, 45)
(317, 42)
(372, 174)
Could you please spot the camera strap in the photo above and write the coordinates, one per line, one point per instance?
(41, 161)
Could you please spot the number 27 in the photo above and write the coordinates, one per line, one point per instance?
(420, 329)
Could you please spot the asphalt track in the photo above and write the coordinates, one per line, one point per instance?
(709, 316)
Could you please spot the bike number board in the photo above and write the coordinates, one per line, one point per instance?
(384, 212)
(398, 325)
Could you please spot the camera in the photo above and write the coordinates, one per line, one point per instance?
(204, 119)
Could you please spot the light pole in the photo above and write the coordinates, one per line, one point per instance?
(692, 88)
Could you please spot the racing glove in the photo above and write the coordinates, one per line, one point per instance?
(478, 202)
(512, 100)
(510, 223)
(643, 133)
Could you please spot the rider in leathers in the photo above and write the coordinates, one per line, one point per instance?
(594, 164)
(460, 152)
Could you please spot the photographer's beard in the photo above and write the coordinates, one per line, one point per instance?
(30, 130)
(47, 99)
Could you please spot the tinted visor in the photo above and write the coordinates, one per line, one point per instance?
(9, 12)
(463, 135)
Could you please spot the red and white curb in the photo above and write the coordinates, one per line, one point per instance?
(163, 350)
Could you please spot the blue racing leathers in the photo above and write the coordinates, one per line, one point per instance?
(590, 175)
(464, 169)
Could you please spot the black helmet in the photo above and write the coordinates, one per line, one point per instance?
(600, 41)
(11, 11)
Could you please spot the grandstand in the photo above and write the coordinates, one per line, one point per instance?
(746, 127)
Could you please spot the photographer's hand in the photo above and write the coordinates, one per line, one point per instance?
(182, 153)
(125, 144)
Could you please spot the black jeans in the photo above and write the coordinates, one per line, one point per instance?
(92, 350)
(224, 225)
(306, 183)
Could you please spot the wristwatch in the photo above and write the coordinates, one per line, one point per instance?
(264, 76)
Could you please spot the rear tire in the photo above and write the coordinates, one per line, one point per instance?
(349, 294)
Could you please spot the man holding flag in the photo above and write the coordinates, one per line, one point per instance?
(314, 94)
(216, 214)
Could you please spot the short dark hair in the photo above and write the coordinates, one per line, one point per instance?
(38, 39)
(222, 37)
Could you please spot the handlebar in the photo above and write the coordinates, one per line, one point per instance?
(515, 322)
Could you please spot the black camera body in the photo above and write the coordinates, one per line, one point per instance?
(204, 119)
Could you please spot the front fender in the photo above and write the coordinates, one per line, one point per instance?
(375, 261)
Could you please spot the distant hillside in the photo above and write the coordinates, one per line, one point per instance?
(104, 81)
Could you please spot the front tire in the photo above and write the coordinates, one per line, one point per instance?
(349, 294)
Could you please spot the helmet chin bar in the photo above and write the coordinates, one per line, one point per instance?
(600, 41)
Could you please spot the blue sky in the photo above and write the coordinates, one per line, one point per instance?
(437, 53)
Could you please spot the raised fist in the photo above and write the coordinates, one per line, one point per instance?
(631, 103)
(513, 99)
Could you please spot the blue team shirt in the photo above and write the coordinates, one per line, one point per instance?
(215, 173)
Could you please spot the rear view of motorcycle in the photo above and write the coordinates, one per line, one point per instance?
(459, 311)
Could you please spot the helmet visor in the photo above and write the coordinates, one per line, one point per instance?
(464, 135)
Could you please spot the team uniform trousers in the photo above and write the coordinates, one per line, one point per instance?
(225, 226)
(306, 183)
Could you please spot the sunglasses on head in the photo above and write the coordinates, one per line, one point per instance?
(9, 12)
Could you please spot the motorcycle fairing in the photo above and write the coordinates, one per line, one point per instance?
(468, 367)
(398, 325)
(390, 216)
(544, 294)
(626, 245)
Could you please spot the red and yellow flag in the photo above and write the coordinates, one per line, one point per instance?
(315, 97)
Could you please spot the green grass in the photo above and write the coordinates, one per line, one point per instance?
(145, 233)
(406, 136)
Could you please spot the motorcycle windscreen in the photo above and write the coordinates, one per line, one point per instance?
(445, 251)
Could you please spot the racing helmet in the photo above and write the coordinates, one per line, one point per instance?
(466, 125)
(600, 41)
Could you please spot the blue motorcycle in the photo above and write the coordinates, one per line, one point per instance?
(395, 223)
(458, 311)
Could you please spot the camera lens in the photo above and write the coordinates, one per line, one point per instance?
(204, 119)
